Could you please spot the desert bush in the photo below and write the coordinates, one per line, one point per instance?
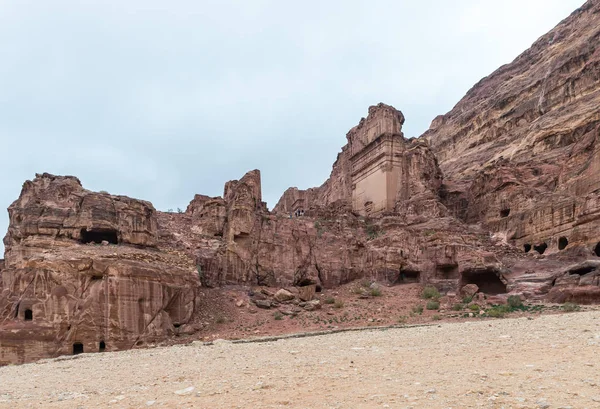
(220, 320)
(458, 307)
(278, 316)
(430, 292)
(514, 301)
(467, 300)
(498, 311)
(570, 307)
(330, 300)
(433, 305)
(436, 317)
(338, 304)
(375, 292)
(417, 309)
(474, 307)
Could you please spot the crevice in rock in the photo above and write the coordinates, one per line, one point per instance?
(597, 249)
(102, 346)
(504, 213)
(527, 248)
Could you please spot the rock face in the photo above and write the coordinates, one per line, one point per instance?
(82, 274)
(499, 196)
(520, 151)
(377, 172)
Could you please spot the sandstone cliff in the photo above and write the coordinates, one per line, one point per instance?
(520, 151)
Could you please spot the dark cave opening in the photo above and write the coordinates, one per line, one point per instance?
(408, 277)
(99, 235)
(102, 346)
(28, 316)
(527, 248)
(563, 242)
(77, 348)
(540, 248)
(504, 213)
(581, 271)
(597, 249)
(486, 279)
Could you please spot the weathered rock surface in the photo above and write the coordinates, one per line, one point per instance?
(520, 151)
(64, 292)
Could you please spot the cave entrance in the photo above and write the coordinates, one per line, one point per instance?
(597, 250)
(77, 348)
(99, 235)
(408, 277)
(102, 346)
(527, 248)
(563, 242)
(486, 279)
(504, 213)
(28, 316)
(540, 248)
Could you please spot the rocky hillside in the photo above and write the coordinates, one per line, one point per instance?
(520, 152)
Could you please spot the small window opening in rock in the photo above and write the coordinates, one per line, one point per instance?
(177, 325)
(504, 212)
(409, 276)
(96, 277)
(77, 348)
(304, 282)
(563, 242)
(527, 248)
(486, 279)
(597, 250)
(28, 315)
(541, 248)
(318, 289)
(99, 235)
(102, 346)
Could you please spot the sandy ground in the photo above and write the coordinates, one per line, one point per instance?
(549, 361)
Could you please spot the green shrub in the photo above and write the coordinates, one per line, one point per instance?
(376, 292)
(570, 307)
(467, 300)
(498, 311)
(278, 316)
(417, 309)
(430, 292)
(338, 304)
(474, 307)
(458, 307)
(330, 300)
(436, 317)
(433, 305)
(514, 301)
(221, 320)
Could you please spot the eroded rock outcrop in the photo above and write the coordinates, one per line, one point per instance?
(520, 151)
(83, 274)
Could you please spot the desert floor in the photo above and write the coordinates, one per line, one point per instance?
(548, 361)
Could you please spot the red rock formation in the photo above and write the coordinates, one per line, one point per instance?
(82, 273)
(520, 151)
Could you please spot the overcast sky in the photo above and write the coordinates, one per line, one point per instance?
(160, 100)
